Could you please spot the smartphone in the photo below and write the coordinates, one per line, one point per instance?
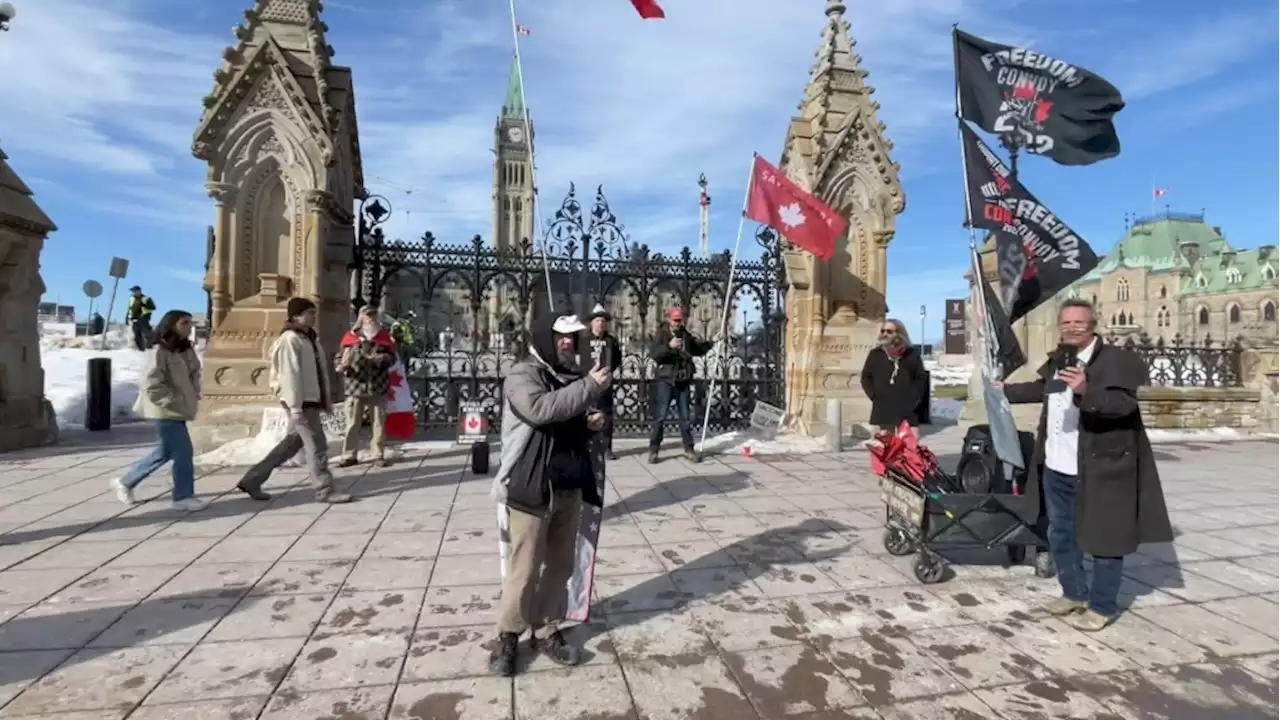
(1068, 357)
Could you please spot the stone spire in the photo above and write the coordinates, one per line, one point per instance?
(17, 207)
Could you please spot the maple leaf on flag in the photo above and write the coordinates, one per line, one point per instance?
(791, 215)
(804, 220)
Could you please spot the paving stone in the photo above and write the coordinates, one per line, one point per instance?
(1221, 636)
(273, 616)
(238, 709)
(792, 680)
(686, 687)
(377, 611)
(165, 621)
(596, 691)
(887, 669)
(56, 626)
(475, 698)
(226, 670)
(347, 660)
(98, 679)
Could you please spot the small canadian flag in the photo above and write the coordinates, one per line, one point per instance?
(522, 30)
(1161, 192)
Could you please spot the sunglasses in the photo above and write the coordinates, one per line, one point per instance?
(884, 332)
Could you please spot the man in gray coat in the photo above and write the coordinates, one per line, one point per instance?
(1094, 464)
(545, 475)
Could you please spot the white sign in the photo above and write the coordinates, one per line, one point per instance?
(766, 418)
(473, 423)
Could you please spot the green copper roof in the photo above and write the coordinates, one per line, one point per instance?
(513, 106)
(1155, 243)
(1238, 272)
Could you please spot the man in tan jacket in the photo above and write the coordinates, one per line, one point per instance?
(301, 381)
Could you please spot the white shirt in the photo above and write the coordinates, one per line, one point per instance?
(1062, 426)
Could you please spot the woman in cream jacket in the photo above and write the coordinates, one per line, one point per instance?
(169, 396)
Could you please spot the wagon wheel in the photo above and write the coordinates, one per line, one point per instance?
(1045, 567)
(897, 542)
(929, 569)
(1017, 554)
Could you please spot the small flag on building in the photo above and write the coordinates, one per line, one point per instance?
(522, 30)
(1161, 192)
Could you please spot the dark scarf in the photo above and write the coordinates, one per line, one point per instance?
(897, 349)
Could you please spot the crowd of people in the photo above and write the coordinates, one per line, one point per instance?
(1092, 471)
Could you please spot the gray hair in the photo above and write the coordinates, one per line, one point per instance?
(1079, 303)
(900, 327)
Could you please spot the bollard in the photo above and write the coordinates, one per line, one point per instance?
(834, 424)
(97, 400)
(480, 458)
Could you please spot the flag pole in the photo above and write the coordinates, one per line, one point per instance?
(533, 164)
(728, 304)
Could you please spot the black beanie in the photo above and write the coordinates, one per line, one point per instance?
(297, 306)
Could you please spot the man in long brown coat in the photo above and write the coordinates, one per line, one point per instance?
(1094, 465)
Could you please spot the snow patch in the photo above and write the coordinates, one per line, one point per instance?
(66, 381)
(786, 443)
(945, 410)
(949, 374)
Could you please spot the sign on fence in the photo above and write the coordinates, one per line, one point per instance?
(767, 418)
(473, 423)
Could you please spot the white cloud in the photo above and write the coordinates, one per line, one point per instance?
(195, 277)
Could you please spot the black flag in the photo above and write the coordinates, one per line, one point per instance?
(1055, 108)
(1052, 255)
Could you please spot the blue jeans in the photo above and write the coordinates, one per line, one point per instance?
(667, 391)
(175, 445)
(1108, 572)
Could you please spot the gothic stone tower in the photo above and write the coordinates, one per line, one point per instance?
(836, 149)
(512, 169)
(279, 137)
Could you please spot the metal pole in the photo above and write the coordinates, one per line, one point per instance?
(728, 305)
(106, 326)
(533, 165)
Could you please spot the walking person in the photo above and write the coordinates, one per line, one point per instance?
(300, 380)
(894, 379)
(674, 351)
(1094, 464)
(169, 396)
(605, 352)
(365, 362)
(545, 476)
(138, 315)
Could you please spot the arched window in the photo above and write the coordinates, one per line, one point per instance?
(1233, 275)
(1093, 300)
(1233, 314)
(1201, 282)
(1164, 292)
(1268, 273)
(1113, 319)
(1202, 316)
(1122, 290)
(1162, 317)
(1269, 311)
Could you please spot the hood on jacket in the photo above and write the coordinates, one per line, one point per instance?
(542, 341)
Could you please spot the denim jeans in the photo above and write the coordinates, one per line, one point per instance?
(666, 392)
(175, 446)
(1108, 572)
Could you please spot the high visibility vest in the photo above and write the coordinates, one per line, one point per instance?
(141, 303)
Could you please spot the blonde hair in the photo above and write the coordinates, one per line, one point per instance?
(900, 328)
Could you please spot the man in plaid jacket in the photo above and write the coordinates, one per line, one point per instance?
(368, 354)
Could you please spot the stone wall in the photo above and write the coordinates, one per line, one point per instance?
(1199, 408)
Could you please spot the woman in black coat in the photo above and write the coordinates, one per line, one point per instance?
(893, 377)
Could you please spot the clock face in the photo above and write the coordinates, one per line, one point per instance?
(515, 134)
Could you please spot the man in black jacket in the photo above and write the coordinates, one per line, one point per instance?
(606, 353)
(674, 351)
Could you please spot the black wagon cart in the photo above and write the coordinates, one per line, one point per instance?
(927, 511)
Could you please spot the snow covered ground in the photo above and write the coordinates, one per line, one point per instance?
(66, 368)
(950, 374)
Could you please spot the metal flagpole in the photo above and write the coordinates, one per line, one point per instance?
(728, 304)
(533, 163)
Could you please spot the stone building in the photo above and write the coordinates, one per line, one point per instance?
(1173, 274)
(836, 149)
(26, 416)
(279, 136)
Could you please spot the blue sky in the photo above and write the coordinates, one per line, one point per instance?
(98, 102)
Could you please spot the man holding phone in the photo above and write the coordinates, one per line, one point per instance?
(674, 351)
(1094, 464)
(607, 353)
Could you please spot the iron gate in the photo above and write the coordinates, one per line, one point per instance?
(471, 305)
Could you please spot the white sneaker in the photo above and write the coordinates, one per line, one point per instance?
(190, 505)
(123, 493)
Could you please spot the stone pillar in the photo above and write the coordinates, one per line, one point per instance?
(223, 195)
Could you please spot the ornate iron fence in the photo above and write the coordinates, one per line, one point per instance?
(476, 302)
(1187, 363)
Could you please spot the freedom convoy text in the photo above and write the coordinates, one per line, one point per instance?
(1022, 216)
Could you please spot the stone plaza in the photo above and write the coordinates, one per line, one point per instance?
(738, 588)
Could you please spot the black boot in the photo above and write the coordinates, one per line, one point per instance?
(557, 649)
(254, 492)
(503, 660)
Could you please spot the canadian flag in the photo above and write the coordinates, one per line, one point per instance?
(803, 219)
(649, 9)
(1161, 192)
(401, 422)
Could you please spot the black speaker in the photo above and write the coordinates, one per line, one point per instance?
(97, 401)
(924, 413)
(480, 458)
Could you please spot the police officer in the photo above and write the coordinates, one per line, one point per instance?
(138, 315)
(605, 352)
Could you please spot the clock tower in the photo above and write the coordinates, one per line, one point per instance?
(512, 169)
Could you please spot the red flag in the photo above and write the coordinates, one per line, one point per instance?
(803, 219)
(1161, 192)
(522, 30)
(648, 9)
